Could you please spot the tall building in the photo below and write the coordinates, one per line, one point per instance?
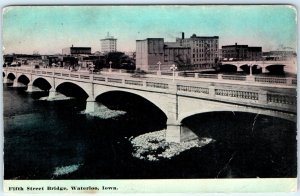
(204, 49)
(153, 50)
(241, 52)
(109, 44)
(149, 52)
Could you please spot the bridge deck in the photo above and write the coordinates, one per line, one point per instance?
(265, 92)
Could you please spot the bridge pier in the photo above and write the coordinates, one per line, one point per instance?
(16, 84)
(6, 80)
(264, 70)
(239, 69)
(29, 88)
(92, 105)
(52, 93)
(177, 133)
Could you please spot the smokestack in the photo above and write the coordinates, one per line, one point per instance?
(182, 35)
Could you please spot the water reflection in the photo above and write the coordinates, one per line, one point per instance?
(43, 137)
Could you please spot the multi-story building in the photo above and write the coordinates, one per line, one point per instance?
(76, 50)
(175, 53)
(204, 49)
(241, 52)
(109, 44)
(254, 53)
(154, 53)
(149, 52)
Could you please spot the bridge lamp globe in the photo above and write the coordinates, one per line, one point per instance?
(110, 64)
(173, 67)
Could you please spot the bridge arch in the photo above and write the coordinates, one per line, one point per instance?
(270, 113)
(86, 87)
(71, 89)
(35, 77)
(228, 68)
(140, 112)
(276, 68)
(188, 107)
(153, 98)
(131, 96)
(11, 76)
(256, 69)
(42, 83)
(23, 79)
(241, 128)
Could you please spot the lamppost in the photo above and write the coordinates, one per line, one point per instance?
(173, 68)
(158, 63)
(250, 66)
(110, 66)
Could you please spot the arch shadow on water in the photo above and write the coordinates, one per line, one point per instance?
(109, 152)
(247, 144)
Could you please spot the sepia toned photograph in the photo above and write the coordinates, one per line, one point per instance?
(148, 92)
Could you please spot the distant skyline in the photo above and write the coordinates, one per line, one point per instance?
(48, 29)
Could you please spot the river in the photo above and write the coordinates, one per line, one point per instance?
(54, 140)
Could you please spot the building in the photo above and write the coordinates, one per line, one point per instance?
(174, 53)
(21, 59)
(279, 55)
(254, 53)
(151, 51)
(241, 52)
(76, 50)
(204, 49)
(109, 44)
(237, 52)
(220, 55)
(186, 53)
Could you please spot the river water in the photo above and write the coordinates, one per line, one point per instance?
(54, 140)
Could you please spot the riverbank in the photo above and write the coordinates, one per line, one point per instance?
(153, 146)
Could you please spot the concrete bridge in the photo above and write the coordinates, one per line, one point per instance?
(177, 99)
(289, 64)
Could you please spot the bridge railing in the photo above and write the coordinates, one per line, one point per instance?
(192, 89)
(290, 81)
(237, 94)
(276, 80)
(277, 98)
(234, 77)
(286, 101)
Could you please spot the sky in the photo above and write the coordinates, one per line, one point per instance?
(48, 29)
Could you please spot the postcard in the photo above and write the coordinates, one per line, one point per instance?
(150, 98)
